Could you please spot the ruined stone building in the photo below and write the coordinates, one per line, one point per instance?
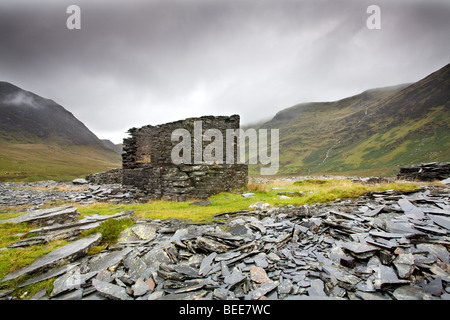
(147, 161)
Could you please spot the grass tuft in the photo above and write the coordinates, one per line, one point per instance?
(110, 229)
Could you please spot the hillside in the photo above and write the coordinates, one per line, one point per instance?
(40, 139)
(370, 133)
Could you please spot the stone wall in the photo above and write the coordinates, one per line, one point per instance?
(113, 176)
(147, 162)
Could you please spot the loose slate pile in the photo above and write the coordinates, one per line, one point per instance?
(57, 224)
(426, 171)
(38, 193)
(385, 245)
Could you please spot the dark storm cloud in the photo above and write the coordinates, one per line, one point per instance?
(148, 62)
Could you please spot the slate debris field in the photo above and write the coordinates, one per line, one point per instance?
(382, 246)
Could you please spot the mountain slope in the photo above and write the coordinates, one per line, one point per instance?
(370, 133)
(111, 145)
(39, 139)
(27, 117)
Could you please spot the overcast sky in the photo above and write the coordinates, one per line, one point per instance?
(140, 62)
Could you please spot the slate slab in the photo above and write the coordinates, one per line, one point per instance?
(45, 217)
(110, 290)
(109, 260)
(263, 289)
(67, 253)
(411, 293)
(258, 275)
(47, 275)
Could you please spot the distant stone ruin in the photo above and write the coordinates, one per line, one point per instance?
(147, 161)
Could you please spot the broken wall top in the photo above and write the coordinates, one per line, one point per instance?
(153, 144)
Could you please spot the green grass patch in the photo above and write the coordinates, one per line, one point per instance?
(35, 162)
(14, 259)
(311, 181)
(110, 230)
(12, 232)
(302, 192)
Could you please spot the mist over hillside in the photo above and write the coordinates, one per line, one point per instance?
(373, 132)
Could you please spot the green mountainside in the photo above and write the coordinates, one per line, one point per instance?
(371, 133)
(39, 140)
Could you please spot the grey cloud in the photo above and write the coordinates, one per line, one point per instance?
(148, 62)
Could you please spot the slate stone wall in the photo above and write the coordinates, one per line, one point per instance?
(147, 162)
(426, 171)
(113, 176)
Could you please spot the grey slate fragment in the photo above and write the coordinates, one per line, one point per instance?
(140, 288)
(359, 249)
(238, 230)
(440, 221)
(221, 293)
(73, 295)
(156, 295)
(46, 216)
(263, 289)
(47, 275)
(437, 250)
(258, 275)
(374, 212)
(404, 264)
(261, 261)
(28, 242)
(370, 296)
(88, 222)
(434, 287)
(316, 288)
(387, 235)
(411, 209)
(211, 245)
(69, 281)
(135, 265)
(205, 266)
(110, 290)
(185, 296)
(190, 288)
(155, 257)
(386, 276)
(224, 268)
(109, 260)
(104, 275)
(342, 275)
(285, 287)
(403, 227)
(411, 293)
(234, 278)
(67, 253)
(441, 232)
